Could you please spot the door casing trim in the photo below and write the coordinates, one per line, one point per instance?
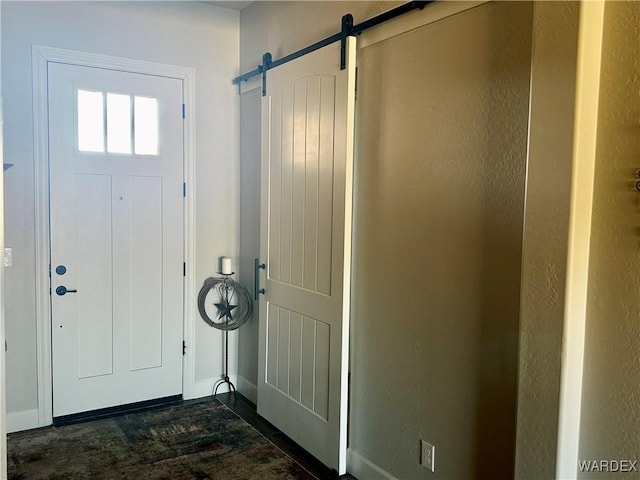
(41, 56)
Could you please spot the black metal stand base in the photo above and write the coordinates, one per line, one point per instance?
(226, 380)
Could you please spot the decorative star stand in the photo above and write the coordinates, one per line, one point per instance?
(229, 316)
(224, 311)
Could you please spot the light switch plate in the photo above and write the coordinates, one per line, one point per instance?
(8, 257)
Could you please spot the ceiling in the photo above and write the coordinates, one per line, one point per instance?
(234, 4)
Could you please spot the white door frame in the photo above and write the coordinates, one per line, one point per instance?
(41, 56)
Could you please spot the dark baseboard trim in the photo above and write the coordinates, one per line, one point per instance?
(115, 411)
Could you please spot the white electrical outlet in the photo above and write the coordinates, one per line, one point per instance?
(8, 257)
(427, 455)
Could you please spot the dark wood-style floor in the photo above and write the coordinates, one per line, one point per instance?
(247, 411)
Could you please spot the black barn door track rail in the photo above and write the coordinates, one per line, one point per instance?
(348, 29)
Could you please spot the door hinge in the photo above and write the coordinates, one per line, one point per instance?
(184, 111)
(184, 269)
(184, 189)
(184, 347)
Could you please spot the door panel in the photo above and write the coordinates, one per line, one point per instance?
(117, 228)
(301, 183)
(297, 358)
(94, 253)
(146, 272)
(306, 237)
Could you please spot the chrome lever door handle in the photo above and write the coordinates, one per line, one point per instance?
(62, 290)
(256, 277)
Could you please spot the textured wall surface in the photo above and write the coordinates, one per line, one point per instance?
(188, 34)
(544, 256)
(611, 395)
(442, 129)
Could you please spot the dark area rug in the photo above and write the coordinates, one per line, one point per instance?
(193, 440)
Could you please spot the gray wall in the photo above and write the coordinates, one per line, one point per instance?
(611, 398)
(442, 123)
(440, 173)
(188, 34)
(249, 234)
(544, 259)
(3, 398)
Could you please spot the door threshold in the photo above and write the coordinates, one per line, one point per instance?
(115, 411)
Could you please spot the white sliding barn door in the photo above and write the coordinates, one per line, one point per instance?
(307, 151)
(116, 170)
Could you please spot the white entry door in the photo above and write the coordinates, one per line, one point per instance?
(307, 151)
(116, 216)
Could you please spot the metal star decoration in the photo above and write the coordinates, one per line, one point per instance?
(224, 309)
